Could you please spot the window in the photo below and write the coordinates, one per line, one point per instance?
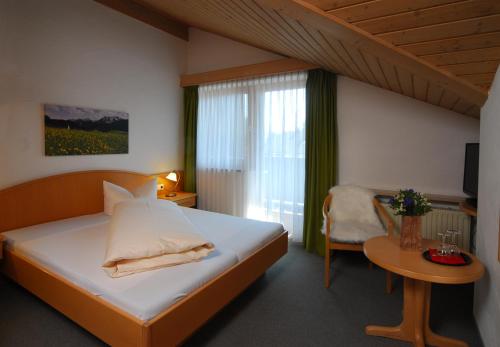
(222, 127)
(251, 149)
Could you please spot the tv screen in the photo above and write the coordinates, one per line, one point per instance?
(471, 169)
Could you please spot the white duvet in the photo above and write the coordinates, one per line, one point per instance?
(150, 234)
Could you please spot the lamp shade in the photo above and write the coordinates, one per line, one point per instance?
(172, 176)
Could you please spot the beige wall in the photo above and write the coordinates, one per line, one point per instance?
(207, 52)
(389, 141)
(487, 291)
(81, 53)
(386, 140)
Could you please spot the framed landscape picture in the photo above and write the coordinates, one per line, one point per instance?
(71, 130)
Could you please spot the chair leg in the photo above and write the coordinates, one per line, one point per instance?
(327, 267)
(388, 282)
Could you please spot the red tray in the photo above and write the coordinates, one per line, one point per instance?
(467, 259)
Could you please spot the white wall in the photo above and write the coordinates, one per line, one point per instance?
(389, 141)
(386, 140)
(207, 52)
(487, 291)
(84, 54)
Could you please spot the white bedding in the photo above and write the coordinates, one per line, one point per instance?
(144, 235)
(75, 249)
(242, 236)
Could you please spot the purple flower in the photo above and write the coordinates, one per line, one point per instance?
(391, 201)
(411, 190)
(408, 202)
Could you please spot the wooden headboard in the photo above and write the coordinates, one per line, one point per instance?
(61, 196)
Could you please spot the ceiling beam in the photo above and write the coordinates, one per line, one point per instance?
(149, 16)
(313, 16)
(248, 71)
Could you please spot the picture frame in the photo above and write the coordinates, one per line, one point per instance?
(74, 130)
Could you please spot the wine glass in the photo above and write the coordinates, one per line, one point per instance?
(444, 246)
(453, 243)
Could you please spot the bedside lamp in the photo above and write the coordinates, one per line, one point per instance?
(174, 177)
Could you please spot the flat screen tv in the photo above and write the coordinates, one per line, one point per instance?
(471, 169)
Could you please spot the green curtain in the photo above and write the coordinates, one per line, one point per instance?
(321, 153)
(190, 129)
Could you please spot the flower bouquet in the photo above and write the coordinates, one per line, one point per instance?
(412, 206)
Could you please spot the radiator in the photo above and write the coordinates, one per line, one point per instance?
(439, 220)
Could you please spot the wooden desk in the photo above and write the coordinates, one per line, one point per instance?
(468, 209)
(182, 199)
(418, 275)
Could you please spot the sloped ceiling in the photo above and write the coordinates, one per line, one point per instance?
(460, 36)
(443, 52)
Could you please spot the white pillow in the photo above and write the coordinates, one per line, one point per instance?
(147, 191)
(150, 234)
(114, 194)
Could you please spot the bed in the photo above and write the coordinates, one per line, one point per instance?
(55, 231)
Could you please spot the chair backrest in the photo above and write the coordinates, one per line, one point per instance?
(353, 203)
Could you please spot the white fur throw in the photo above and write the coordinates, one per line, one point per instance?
(353, 214)
(352, 203)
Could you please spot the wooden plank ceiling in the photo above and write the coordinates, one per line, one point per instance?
(460, 36)
(444, 52)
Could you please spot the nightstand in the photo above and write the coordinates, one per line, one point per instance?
(181, 198)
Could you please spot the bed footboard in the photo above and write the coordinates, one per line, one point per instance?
(192, 312)
(118, 328)
(107, 322)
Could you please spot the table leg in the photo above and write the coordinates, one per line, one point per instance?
(419, 308)
(406, 330)
(430, 337)
(415, 325)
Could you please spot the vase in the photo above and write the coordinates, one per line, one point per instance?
(411, 233)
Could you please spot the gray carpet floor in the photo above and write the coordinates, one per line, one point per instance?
(288, 306)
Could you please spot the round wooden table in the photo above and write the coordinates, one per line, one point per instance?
(418, 275)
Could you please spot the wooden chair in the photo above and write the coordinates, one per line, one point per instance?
(330, 244)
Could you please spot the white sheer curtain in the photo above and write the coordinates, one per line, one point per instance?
(251, 149)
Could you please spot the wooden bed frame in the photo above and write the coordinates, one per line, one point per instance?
(79, 193)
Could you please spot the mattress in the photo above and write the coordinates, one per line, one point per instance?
(240, 235)
(75, 247)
